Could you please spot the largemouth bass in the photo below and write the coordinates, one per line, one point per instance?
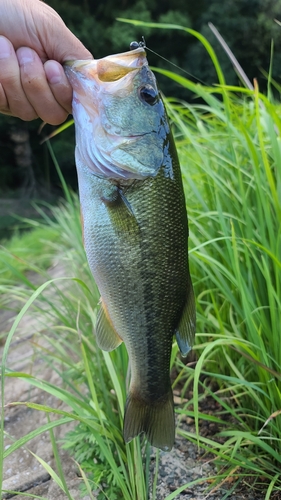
(135, 229)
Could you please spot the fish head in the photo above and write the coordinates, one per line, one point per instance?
(120, 120)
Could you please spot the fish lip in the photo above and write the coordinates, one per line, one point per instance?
(79, 63)
(128, 61)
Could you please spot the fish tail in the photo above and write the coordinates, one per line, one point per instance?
(156, 419)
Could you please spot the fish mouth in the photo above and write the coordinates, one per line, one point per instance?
(110, 68)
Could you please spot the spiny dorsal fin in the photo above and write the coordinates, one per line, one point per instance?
(186, 329)
(107, 337)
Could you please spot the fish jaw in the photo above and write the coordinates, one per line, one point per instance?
(118, 136)
(88, 75)
(110, 68)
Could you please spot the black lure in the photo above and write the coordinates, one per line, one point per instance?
(137, 45)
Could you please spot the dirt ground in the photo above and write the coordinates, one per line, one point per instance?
(22, 470)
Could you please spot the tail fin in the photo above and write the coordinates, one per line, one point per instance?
(155, 419)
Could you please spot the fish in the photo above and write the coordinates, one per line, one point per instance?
(135, 230)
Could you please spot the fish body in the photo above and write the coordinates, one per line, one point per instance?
(135, 230)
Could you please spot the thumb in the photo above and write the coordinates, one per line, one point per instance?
(57, 41)
(61, 44)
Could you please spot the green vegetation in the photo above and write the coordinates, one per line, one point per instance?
(26, 251)
(230, 150)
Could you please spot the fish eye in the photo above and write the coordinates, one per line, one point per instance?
(148, 94)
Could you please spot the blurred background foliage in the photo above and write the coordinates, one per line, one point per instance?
(248, 27)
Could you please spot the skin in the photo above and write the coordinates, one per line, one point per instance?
(34, 43)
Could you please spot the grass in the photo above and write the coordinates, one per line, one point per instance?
(230, 156)
(229, 145)
(18, 253)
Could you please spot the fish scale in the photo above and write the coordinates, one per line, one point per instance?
(135, 235)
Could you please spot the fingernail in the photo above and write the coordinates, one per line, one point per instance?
(25, 55)
(5, 48)
(53, 72)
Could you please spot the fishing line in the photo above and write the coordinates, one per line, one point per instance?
(135, 45)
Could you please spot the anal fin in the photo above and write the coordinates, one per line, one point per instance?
(185, 332)
(107, 337)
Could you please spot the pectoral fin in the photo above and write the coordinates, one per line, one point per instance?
(126, 203)
(119, 208)
(186, 329)
(107, 337)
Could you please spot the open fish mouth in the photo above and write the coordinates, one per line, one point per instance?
(108, 69)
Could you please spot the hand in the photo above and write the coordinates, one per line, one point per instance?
(34, 43)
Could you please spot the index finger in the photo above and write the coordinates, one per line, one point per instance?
(37, 89)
